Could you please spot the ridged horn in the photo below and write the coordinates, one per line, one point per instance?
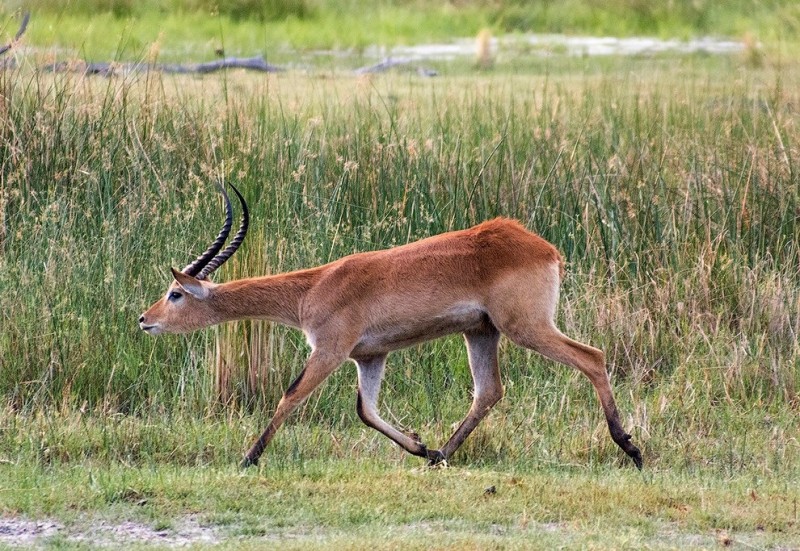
(201, 261)
(237, 240)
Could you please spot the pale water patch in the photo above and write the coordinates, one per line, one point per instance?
(548, 45)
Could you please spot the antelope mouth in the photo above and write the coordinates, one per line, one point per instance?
(150, 329)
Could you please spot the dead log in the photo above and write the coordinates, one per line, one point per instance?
(105, 69)
(397, 62)
(23, 25)
(11, 63)
(116, 68)
(249, 63)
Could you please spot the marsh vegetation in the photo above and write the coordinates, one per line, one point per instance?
(669, 183)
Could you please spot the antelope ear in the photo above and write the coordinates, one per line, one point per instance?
(189, 284)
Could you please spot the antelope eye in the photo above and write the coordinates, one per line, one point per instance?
(173, 296)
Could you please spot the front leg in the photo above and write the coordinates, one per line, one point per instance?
(316, 370)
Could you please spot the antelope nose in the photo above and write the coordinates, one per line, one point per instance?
(141, 318)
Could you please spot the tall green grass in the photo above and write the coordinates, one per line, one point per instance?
(673, 197)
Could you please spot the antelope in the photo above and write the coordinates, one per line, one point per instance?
(495, 278)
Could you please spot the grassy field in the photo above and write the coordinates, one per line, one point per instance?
(367, 503)
(669, 183)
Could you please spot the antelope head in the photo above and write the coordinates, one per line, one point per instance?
(188, 304)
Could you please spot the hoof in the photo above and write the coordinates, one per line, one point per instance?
(637, 458)
(247, 462)
(623, 440)
(435, 457)
(633, 452)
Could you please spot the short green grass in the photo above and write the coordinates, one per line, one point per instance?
(358, 501)
(668, 183)
(351, 487)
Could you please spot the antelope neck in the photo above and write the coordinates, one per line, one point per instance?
(274, 298)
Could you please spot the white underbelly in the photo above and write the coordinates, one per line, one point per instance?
(384, 338)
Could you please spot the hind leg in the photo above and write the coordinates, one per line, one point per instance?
(370, 376)
(523, 307)
(488, 389)
(546, 339)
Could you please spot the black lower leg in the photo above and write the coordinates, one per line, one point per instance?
(251, 458)
(434, 457)
(623, 440)
(247, 462)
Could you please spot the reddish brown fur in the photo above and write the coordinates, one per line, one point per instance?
(494, 278)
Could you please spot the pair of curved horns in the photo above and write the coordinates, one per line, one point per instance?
(212, 258)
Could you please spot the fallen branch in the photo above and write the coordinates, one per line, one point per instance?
(393, 62)
(249, 63)
(115, 68)
(120, 68)
(24, 25)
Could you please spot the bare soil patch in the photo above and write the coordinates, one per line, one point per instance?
(26, 533)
